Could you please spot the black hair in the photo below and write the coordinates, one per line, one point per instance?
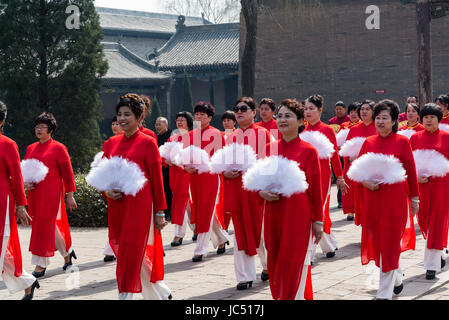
(206, 107)
(443, 99)
(370, 103)
(414, 107)
(354, 106)
(229, 114)
(317, 100)
(431, 109)
(3, 111)
(248, 101)
(296, 107)
(188, 116)
(114, 119)
(134, 102)
(392, 107)
(269, 102)
(48, 119)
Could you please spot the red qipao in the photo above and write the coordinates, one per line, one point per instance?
(179, 181)
(386, 210)
(348, 199)
(12, 193)
(130, 219)
(434, 207)
(47, 199)
(288, 223)
(204, 187)
(417, 127)
(272, 128)
(148, 132)
(326, 173)
(247, 213)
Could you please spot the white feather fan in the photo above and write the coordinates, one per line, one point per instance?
(407, 132)
(98, 157)
(341, 137)
(321, 143)
(236, 156)
(117, 173)
(33, 171)
(444, 127)
(195, 157)
(430, 163)
(275, 174)
(351, 148)
(377, 167)
(169, 150)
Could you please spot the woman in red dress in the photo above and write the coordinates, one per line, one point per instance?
(267, 109)
(443, 102)
(291, 223)
(247, 209)
(50, 228)
(205, 187)
(412, 112)
(433, 215)
(135, 221)
(12, 207)
(229, 121)
(385, 197)
(312, 112)
(180, 181)
(362, 130)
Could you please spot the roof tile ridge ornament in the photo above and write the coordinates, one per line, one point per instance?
(180, 24)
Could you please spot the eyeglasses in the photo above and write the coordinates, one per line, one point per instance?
(241, 108)
(40, 127)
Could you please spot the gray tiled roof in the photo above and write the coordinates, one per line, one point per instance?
(128, 20)
(124, 66)
(206, 48)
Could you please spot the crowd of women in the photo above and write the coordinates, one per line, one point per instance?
(277, 197)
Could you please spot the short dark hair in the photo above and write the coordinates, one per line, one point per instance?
(248, 101)
(188, 116)
(414, 106)
(114, 119)
(206, 107)
(341, 104)
(370, 103)
(354, 106)
(228, 114)
(431, 109)
(48, 119)
(3, 111)
(317, 100)
(296, 107)
(443, 99)
(269, 102)
(392, 107)
(132, 101)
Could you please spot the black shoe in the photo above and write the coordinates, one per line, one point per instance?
(350, 218)
(264, 276)
(398, 289)
(164, 253)
(222, 250)
(244, 285)
(330, 254)
(39, 274)
(66, 265)
(176, 243)
(430, 274)
(195, 236)
(33, 286)
(109, 258)
(197, 258)
(170, 297)
(443, 263)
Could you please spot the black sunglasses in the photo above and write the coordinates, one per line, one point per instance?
(242, 108)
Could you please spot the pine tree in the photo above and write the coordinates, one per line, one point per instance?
(188, 99)
(46, 65)
(155, 112)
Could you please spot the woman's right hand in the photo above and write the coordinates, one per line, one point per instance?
(114, 194)
(269, 196)
(423, 179)
(231, 174)
(168, 163)
(30, 185)
(190, 169)
(371, 185)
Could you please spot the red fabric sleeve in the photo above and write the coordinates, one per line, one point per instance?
(65, 168)
(315, 192)
(153, 163)
(15, 173)
(410, 168)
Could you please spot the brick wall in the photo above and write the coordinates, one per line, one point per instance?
(327, 49)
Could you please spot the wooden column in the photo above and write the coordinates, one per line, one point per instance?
(423, 16)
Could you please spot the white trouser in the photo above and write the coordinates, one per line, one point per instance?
(328, 243)
(387, 282)
(13, 283)
(108, 250)
(245, 265)
(305, 269)
(180, 231)
(150, 291)
(216, 234)
(432, 258)
(43, 262)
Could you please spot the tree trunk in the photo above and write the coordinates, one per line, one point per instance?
(43, 63)
(248, 59)
(423, 19)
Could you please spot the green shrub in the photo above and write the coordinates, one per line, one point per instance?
(92, 211)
